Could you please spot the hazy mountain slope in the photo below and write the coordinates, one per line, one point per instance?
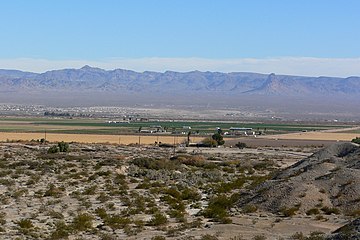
(96, 79)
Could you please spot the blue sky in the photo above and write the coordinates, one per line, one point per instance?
(164, 34)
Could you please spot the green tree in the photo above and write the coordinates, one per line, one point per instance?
(218, 138)
(356, 140)
(188, 138)
(241, 145)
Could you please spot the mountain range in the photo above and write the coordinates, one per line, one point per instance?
(119, 80)
(89, 85)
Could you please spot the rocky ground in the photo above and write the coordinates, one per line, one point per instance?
(99, 191)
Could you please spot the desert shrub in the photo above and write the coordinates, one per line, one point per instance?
(225, 187)
(155, 164)
(297, 236)
(173, 192)
(312, 211)
(62, 231)
(131, 231)
(53, 149)
(117, 221)
(177, 214)
(218, 209)
(190, 194)
(209, 142)
(53, 191)
(63, 146)
(264, 165)
(103, 197)
(259, 237)
(316, 236)
(250, 208)
(120, 180)
(195, 160)
(257, 180)
(137, 205)
(289, 212)
(320, 217)
(158, 219)
(356, 140)
(55, 214)
(2, 218)
(82, 222)
(312, 236)
(91, 190)
(241, 145)
(101, 213)
(158, 238)
(106, 236)
(25, 224)
(330, 210)
(353, 213)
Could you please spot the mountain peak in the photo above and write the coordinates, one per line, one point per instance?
(92, 69)
(86, 67)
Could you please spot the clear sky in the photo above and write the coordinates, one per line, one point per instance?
(224, 35)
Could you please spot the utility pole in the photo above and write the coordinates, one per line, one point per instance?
(139, 140)
(174, 144)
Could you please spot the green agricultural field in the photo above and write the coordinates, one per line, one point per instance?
(100, 126)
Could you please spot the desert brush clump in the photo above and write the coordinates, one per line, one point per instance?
(60, 147)
(218, 209)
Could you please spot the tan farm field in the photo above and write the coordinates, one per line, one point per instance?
(336, 136)
(97, 138)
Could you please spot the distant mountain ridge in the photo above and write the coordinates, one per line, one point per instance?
(90, 79)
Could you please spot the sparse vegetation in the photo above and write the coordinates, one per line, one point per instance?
(118, 191)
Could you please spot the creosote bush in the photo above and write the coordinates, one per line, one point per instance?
(60, 147)
(82, 222)
(158, 219)
(218, 209)
(25, 223)
(289, 212)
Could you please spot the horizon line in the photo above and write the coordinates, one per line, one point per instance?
(295, 66)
